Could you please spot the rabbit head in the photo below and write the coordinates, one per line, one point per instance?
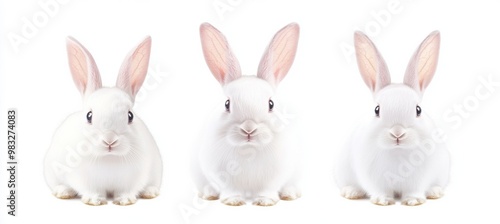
(107, 118)
(399, 120)
(247, 114)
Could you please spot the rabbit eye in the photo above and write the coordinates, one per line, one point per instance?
(419, 111)
(89, 117)
(130, 117)
(228, 105)
(377, 111)
(271, 105)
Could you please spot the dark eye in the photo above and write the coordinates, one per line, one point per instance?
(377, 111)
(419, 111)
(271, 105)
(89, 117)
(130, 117)
(228, 105)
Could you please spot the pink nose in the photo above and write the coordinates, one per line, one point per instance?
(248, 131)
(109, 138)
(397, 131)
(248, 127)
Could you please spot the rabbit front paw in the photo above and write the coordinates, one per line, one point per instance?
(382, 200)
(94, 200)
(265, 201)
(352, 193)
(125, 199)
(234, 201)
(413, 201)
(209, 193)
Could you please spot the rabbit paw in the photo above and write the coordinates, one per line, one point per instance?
(209, 193)
(209, 197)
(264, 201)
(382, 200)
(413, 201)
(149, 192)
(63, 192)
(125, 199)
(434, 193)
(289, 193)
(233, 201)
(94, 200)
(352, 193)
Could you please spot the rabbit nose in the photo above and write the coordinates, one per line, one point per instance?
(109, 138)
(397, 131)
(248, 127)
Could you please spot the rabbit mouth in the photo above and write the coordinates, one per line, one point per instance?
(398, 135)
(110, 146)
(248, 133)
(242, 138)
(398, 141)
(254, 135)
(247, 138)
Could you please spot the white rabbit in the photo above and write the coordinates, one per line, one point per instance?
(105, 149)
(396, 153)
(247, 153)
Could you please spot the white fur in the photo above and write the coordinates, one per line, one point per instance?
(375, 163)
(80, 162)
(231, 164)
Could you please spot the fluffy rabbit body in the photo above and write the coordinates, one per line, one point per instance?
(398, 152)
(246, 153)
(105, 149)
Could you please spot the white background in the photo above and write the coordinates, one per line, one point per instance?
(324, 83)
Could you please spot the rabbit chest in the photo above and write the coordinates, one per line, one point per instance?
(109, 174)
(250, 168)
(396, 169)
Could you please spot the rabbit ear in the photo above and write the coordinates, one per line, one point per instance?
(218, 55)
(423, 64)
(134, 68)
(83, 68)
(370, 63)
(279, 55)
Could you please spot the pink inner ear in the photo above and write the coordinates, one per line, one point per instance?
(78, 67)
(428, 60)
(218, 55)
(280, 54)
(139, 65)
(135, 68)
(83, 67)
(423, 64)
(370, 63)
